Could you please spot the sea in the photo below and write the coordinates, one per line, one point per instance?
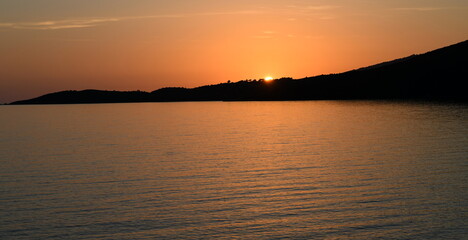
(235, 170)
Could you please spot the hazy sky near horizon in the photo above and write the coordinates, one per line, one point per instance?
(54, 45)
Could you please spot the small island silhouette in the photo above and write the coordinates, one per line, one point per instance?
(441, 74)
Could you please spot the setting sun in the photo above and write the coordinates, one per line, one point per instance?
(268, 78)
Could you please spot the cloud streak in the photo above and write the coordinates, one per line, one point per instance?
(315, 8)
(59, 24)
(93, 22)
(322, 7)
(320, 12)
(419, 9)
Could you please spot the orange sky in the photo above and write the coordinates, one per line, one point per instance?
(54, 45)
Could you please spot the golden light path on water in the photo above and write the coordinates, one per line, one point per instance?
(229, 170)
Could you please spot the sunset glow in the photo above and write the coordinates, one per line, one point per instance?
(56, 45)
(268, 78)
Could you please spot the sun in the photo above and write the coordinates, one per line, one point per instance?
(268, 78)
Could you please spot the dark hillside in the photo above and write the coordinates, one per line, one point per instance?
(89, 96)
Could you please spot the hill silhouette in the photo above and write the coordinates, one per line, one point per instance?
(437, 75)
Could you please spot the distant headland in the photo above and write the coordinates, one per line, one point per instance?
(441, 74)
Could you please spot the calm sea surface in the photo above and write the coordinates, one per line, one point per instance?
(234, 170)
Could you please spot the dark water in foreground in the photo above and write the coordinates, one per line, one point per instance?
(240, 170)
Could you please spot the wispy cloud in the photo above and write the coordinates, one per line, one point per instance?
(59, 24)
(245, 12)
(321, 12)
(420, 9)
(322, 7)
(92, 22)
(314, 8)
(267, 34)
